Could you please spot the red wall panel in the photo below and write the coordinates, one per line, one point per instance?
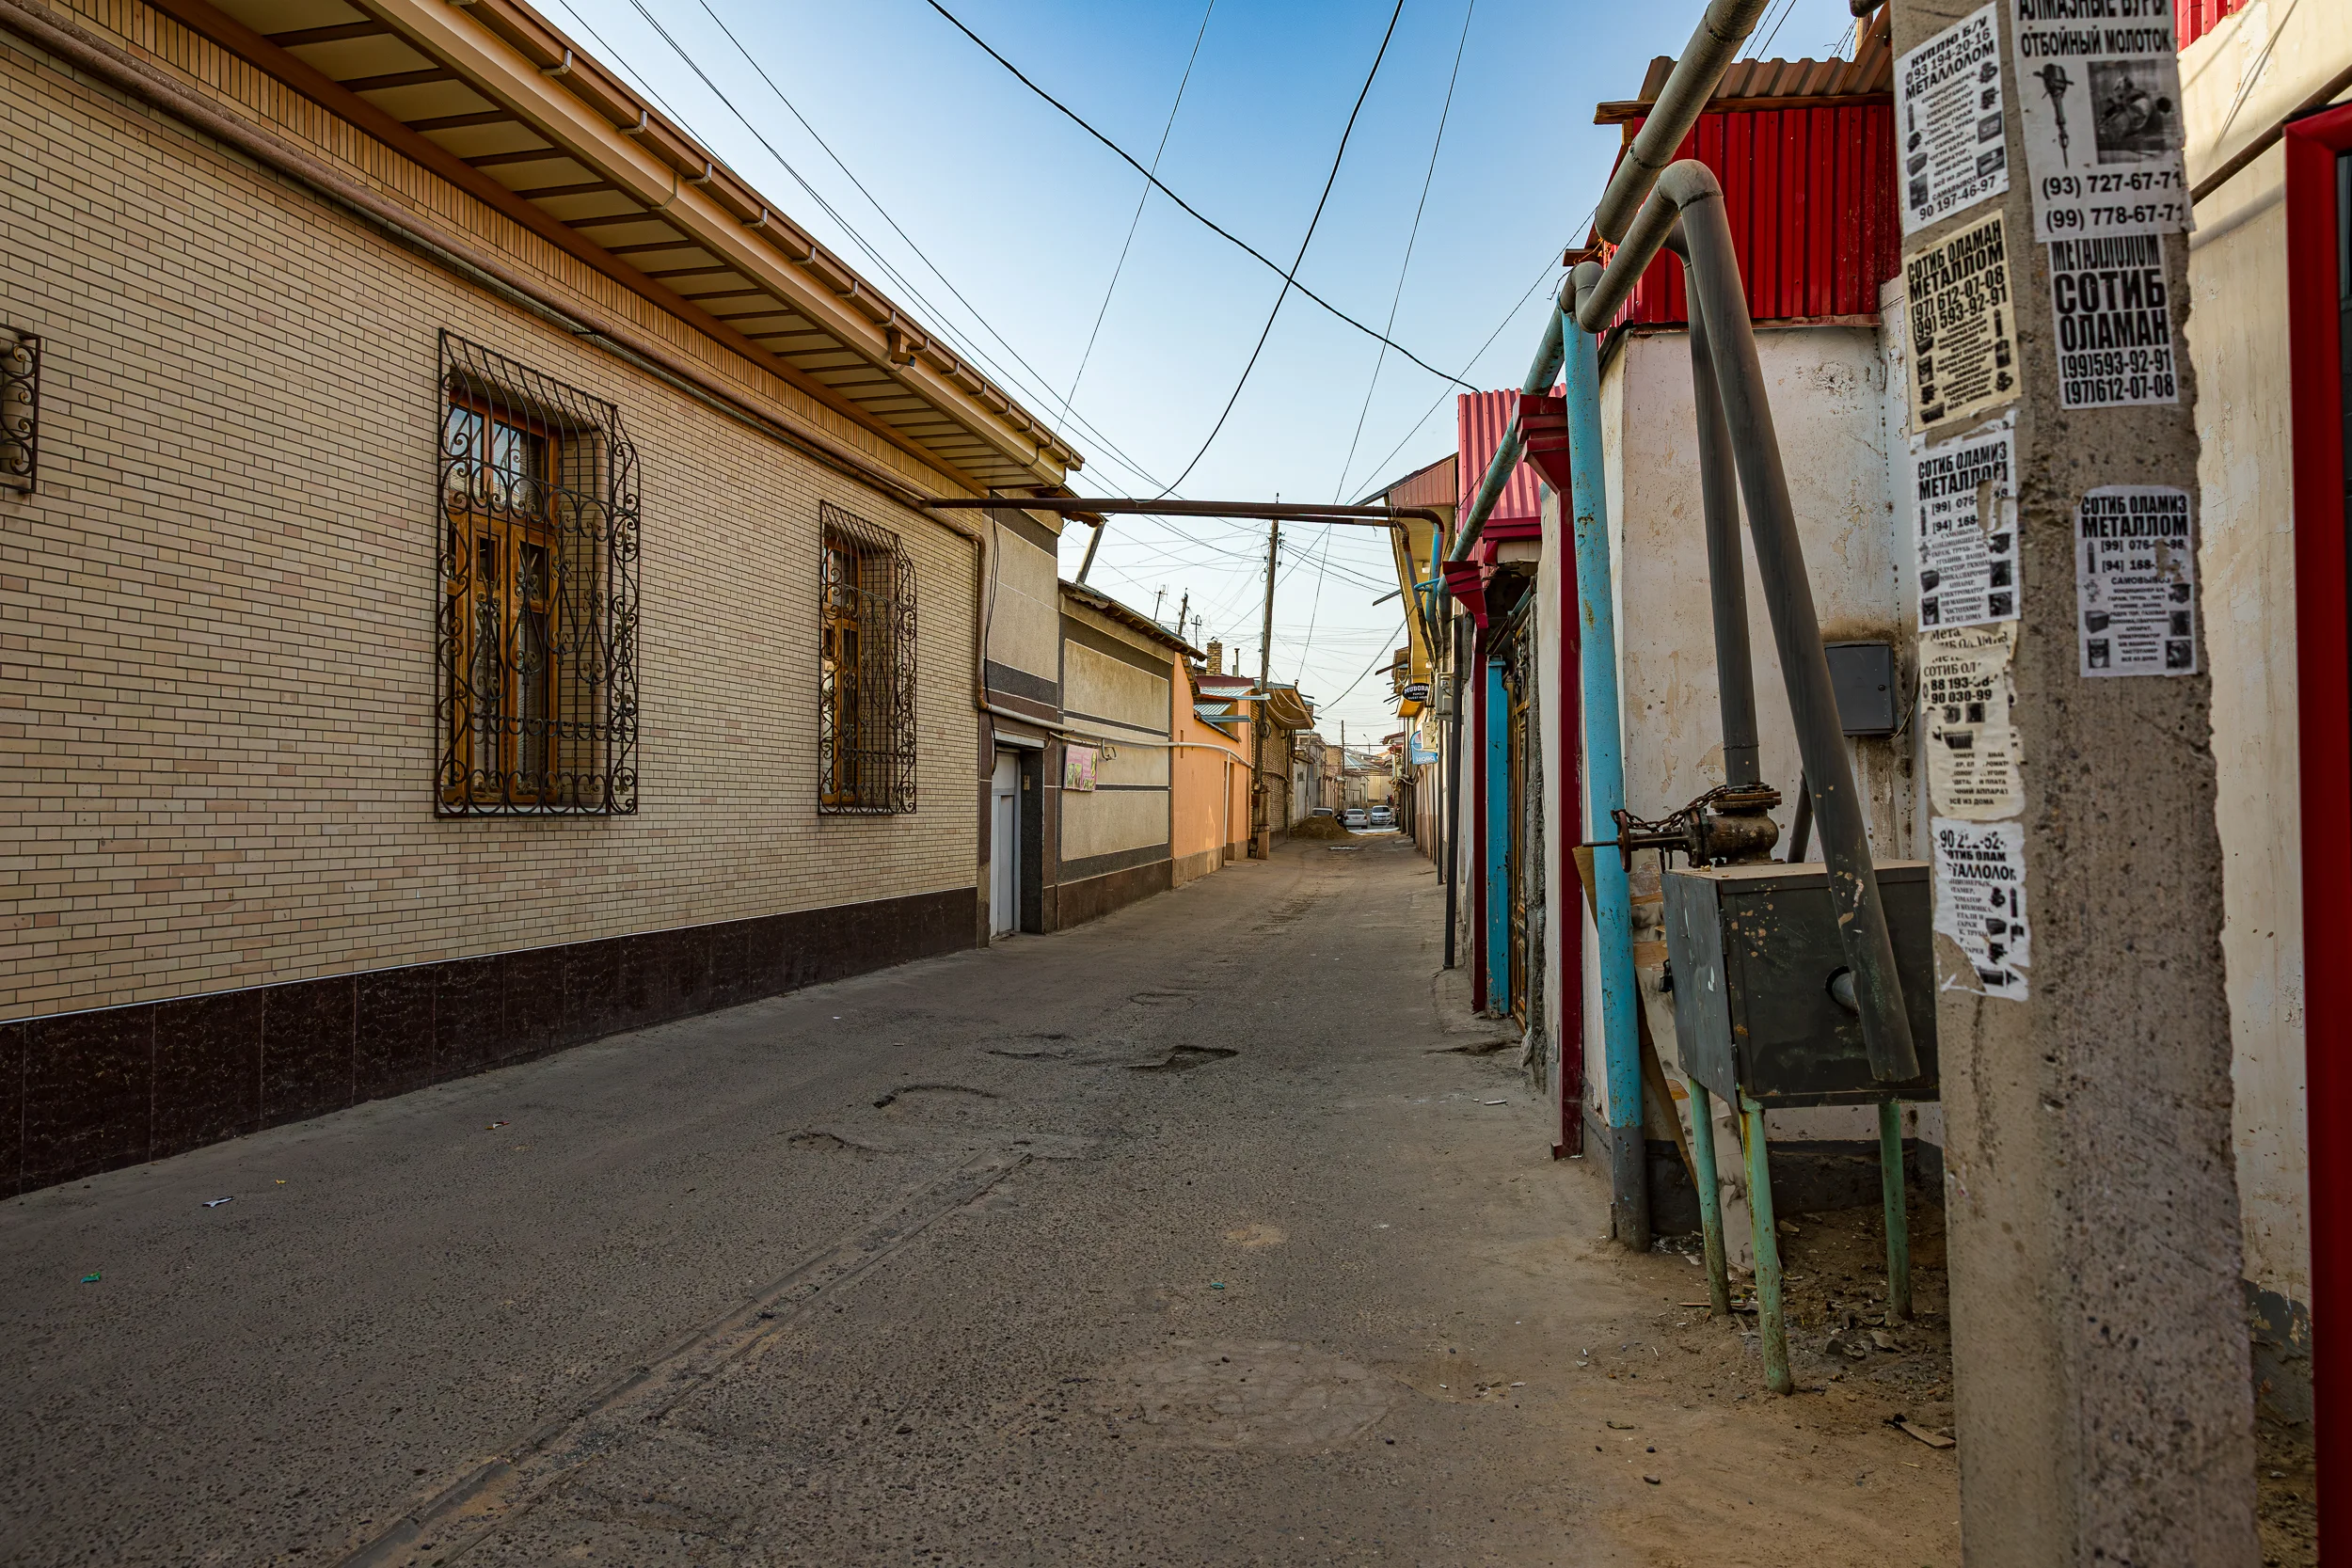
(1810, 196)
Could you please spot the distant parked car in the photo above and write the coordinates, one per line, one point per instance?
(1321, 811)
(1352, 817)
(1383, 817)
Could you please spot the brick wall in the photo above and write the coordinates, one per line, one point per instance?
(217, 666)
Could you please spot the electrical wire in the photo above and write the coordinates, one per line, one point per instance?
(1136, 222)
(1312, 224)
(895, 228)
(1039, 391)
(1404, 267)
(1764, 53)
(1194, 213)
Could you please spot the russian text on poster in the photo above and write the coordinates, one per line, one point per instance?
(1963, 328)
(1967, 697)
(2114, 317)
(1980, 903)
(1947, 116)
(2099, 90)
(2136, 582)
(1967, 507)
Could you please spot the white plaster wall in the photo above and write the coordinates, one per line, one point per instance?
(1827, 387)
(1829, 394)
(2236, 81)
(1022, 608)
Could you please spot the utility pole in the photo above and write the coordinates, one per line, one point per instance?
(1184, 609)
(2099, 1335)
(1093, 544)
(1261, 836)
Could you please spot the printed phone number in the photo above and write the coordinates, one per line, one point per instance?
(2110, 184)
(2171, 214)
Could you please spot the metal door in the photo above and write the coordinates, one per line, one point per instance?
(1514, 768)
(1003, 850)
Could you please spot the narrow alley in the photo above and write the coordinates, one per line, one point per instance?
(1205, 1232)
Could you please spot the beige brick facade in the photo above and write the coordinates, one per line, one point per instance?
(217, 616)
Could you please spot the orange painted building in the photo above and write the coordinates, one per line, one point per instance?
(1210, 809)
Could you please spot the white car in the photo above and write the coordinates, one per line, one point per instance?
(1352, 817)
(1383, 817)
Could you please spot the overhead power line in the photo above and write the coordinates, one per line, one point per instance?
(1135, 222)
(1406, 266)
(1194, 213)
(1312, 224)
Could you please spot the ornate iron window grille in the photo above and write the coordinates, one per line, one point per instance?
(19, 410)
(537, 617)
(866, 668)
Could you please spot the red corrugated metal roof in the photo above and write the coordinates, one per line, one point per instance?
(2195, 18)
(1805, 153)
(1810, 194)
(1870, 75)
(1480, 420)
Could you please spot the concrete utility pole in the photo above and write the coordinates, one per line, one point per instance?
(2103, 1382)
(1261, 815)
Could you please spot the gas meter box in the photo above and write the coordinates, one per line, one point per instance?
(1757, 962)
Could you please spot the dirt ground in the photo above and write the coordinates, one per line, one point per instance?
(1215, 1231)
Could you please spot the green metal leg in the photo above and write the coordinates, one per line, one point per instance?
(1771, 1322)
(1898, 1218)
(1710, 1198)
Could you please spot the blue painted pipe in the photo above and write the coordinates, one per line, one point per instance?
(1604, 789)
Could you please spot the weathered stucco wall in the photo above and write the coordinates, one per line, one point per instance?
(1828, 390)
(2236, 81)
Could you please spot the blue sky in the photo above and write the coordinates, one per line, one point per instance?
(1024, 215)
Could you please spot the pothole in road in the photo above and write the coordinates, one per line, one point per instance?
(1162, 998)
(1186, 1057)
(1245, 1394)
(956, 1098)
(1474, 1048)
(818, 1138)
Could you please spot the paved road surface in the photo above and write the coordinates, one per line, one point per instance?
(1189, 1237)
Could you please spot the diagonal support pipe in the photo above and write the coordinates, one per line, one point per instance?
(1688, 193)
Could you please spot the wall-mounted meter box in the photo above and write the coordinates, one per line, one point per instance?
(1861, 674)
(1756, 960)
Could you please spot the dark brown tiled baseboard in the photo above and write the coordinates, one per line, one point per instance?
(81, 1093)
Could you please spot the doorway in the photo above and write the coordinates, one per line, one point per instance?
(1004, 845)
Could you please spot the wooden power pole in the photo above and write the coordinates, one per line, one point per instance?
(1262, 824)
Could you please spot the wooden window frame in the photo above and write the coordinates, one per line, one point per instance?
(537, 619)
(866, 626)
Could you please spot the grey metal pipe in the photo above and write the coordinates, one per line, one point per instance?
(1717, 297)
(1713, 45)
(1726, 567)
(1540, 376)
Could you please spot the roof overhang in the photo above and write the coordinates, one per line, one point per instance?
(491, 96)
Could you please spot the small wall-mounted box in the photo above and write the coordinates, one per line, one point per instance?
(1862, 676)
(1755, 956)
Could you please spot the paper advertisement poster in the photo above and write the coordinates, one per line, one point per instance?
(1947, 120)
(1963, 346)
(1965, 698)
(2136, 582)
(2099, 91)
(1078, 764)
(1966, 497)
(2114, 319)
(1980, 903)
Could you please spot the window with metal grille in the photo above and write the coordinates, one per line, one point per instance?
(865, 668)
(538, 598)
